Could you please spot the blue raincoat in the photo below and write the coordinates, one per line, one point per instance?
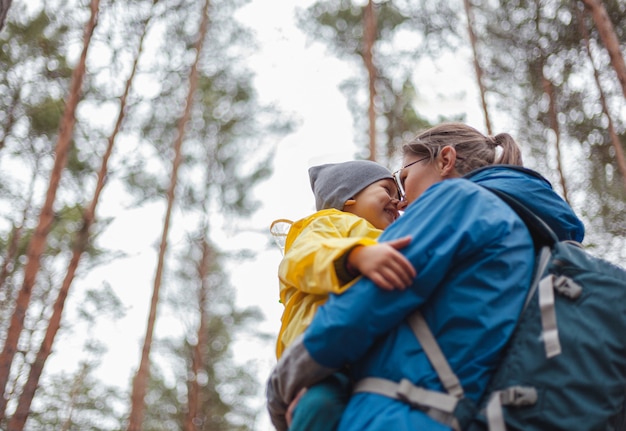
(474, 259)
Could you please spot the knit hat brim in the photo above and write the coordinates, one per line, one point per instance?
(334, 183)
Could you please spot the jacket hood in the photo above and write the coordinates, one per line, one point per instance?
(536, 193)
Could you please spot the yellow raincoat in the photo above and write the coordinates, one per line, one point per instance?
(316, 249)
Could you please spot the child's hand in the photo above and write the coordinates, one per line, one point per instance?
(292, 407)
(384, 264)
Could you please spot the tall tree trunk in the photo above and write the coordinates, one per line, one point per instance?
(369, 38)
(80, 245)
(477, 68)
(201, 337)
(609, 38)
(553, 121)
(4, 10)
(619, 151)
(548, 89)
(38, 241)
(140, 381)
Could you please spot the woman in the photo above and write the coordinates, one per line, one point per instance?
(474, 259)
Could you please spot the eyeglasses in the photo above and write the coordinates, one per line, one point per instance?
(397, 177)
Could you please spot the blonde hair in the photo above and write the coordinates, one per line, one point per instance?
(474, 150)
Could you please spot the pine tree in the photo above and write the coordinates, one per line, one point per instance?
(222, 155)
(374, 36)
(37, 243)
(228, 137)
(538, 66)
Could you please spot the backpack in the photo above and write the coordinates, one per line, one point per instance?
(564, 367)
(565, 364)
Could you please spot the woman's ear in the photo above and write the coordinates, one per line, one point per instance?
(447, 161)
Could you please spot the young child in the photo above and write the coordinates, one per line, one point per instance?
(325, 252)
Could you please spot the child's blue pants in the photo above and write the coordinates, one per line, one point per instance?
(321, 406)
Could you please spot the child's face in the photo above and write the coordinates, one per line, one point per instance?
(376, 203)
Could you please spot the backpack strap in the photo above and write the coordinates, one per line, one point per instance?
(545, 238)
(439, 362)
(439, 406)
(511, 396)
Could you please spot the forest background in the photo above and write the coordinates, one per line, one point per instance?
(146, 146)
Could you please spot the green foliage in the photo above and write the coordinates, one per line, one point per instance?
(78, 402)
(45, 116)
(228, 129)
(200, 294)
(164, 410)
(526, 44)
(33, 73)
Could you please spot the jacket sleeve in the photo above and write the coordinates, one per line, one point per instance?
(310, 263)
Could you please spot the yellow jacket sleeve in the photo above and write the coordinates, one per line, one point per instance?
(309, 261)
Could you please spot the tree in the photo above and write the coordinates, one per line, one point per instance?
(477, 68)
(38, 241)
(226, 122)
(375, 35)
(79, 400)
(212, 391)
(80, 246)
(220, 129)
(538, 67)
(609, 38)
(369, 38)
(140, 381)
(4, 9)
(619, 151)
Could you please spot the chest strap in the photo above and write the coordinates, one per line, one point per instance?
(439, 406)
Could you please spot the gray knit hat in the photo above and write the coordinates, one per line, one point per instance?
(334, 183)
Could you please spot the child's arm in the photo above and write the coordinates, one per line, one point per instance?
(313, 261)
(383, 264)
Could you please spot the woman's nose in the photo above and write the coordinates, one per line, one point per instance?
(402, 205)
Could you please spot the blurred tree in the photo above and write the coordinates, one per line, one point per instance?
(212, 391)
(228, 134)
(538, 69)
(140, 381)
(80, 246)
(37, 243)
(620, 159)
(477, 67)
(608, 36)
(221, 136)
(79, 400)
(76, 402)
(32, 71)
(4, 9)
(370, 31)
(388, 38)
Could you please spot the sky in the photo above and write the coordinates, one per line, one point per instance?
(302, 79)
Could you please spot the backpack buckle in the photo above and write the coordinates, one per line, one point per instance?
(518, 396)
(567, 287)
